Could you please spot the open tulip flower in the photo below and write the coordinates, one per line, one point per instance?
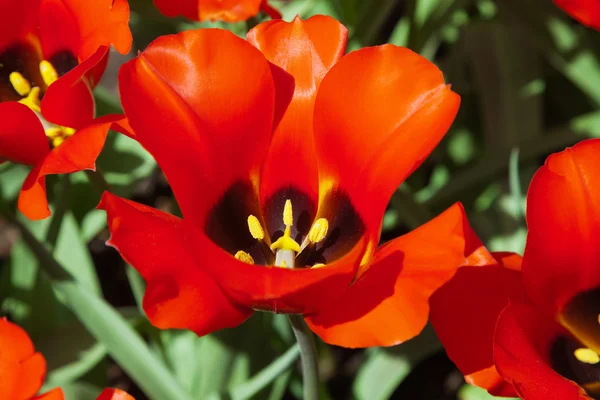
(52, 53)
(585, 11)
(22, 369)
(216, 10)
(532, 328)
(282, 153)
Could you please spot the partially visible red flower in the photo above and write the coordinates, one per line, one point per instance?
(52, 53)
(546, 338)
(585, 11)
(22, 369)
(284, 152)
(216, 10)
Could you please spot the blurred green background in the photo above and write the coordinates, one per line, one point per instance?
(529, 78)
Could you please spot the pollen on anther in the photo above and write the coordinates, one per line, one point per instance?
(318, 265)
(49, 74)
(288, 216)
(244, 257)
(255, 228)
(19, 83)
(318, 230)
(587, 356)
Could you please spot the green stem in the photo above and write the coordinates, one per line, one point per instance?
(308, 355)
(98, 180)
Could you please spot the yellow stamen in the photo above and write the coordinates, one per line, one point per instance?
(318, 230)
(19, 83)
(318, 265)
(255, 228)
(587, 356)
(244, 257)
(283, 264)
(49, 74)
(58, 134)
(32, 100)
(288, 216)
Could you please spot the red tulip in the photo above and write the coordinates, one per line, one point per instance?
(585, 11)
(52, 53)
(216, 10)
(283, 154)
(536, 333)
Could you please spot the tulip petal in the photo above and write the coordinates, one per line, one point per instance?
(77, 153)
(17, 21)
(379, 112)
(210, 10)
(305, 50)
(563, 217)
(179, 293)
(388, 304)
(22, 137)
(54, 394)
(22, 370)
(464, 313)
(114, 394)
(585, 11)
(218, 94)
(69, 101)
(522, 346)
(80, 27)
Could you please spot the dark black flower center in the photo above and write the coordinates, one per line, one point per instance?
(287, 230)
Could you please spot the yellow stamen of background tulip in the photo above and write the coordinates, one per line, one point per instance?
(49, 74)
(19, 83)
(244, 257)
(32, 100)
(587, 356)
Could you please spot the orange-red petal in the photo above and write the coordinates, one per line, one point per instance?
(114, 394)
(379, 112)
(202, 103)
(585, 11)
(22, 370)
(80, 27)
(69, 101)
(464, 313)
(17, 21)
(22, 137)
(54, 394)
(388, 304)
(77, 153)
(305, 50)
(563, 218)
(522, 344)
(215, 10)
(179, 293)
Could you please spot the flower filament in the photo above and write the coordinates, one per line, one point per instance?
(286, 249)
(31, 98)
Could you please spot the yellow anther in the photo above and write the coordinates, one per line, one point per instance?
(58, 134)
(32, 100)
(286, 242)
(244, 257)
(318, 265)
(49, 74)
(318, 230)
(288, 216)
(587, 356)
(19, 83)
(255, 228)
(283, 264)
